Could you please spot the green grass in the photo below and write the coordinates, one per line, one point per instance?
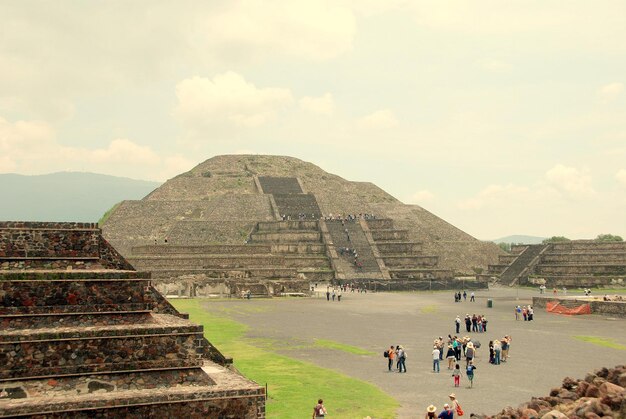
(341, 347)
(596, 340)
(293, 386)
(428, 309)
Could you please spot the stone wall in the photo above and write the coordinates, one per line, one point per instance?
(30, 241)
(598, 306)
(65, 296)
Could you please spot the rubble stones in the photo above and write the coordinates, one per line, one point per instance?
(599, 394)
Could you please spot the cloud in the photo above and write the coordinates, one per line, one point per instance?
(621, 176)
(324, 105)
(572, 181)
(496, 194)
(381, 119)
(227, 99)
(610, 92)
(421, 197)
(494, 65)
(31, 147)
(311, 30)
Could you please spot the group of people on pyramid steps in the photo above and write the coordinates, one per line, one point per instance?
(300, 217)
(348, 217)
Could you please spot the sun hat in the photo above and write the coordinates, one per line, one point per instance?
(470, 345)
(452, 396)
(431, 408)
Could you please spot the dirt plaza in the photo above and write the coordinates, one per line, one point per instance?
(542, 352)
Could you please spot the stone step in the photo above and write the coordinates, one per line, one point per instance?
(588, 246)
(580, 257)
(223, 274)
(293, 205)
(280, 185)
(103, 318)
(307, 262)
(50, 352)
(580, 269)
(286, 237)
(398, 248)
(190, 394)
(160, 250)
(49, 275)
(380, 224)
(299, 248)
(206, 261)
(292, 225)
(410, 261)
(72, 296)
(421, 273)
(390, 235)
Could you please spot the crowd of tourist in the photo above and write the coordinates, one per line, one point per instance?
(348, 217)
(527, 313)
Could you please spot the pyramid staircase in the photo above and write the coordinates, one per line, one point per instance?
(405, 259)
(102, 343)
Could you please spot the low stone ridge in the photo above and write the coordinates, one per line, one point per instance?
(102, 343)
(232, 200)
(600, 394)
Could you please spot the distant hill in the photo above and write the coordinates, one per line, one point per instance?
(66, 196)
(520, 239)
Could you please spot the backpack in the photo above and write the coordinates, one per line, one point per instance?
(404, 354)
(386, 354)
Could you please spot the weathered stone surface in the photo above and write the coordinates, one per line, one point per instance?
(102, 343)
(554, 414)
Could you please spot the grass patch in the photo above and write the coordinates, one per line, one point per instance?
(342, 347)
(293, 386)
(428, 309)
(606, 342)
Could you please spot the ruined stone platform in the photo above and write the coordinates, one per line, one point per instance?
(76, 342)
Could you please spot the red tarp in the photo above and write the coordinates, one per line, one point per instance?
(556, 307)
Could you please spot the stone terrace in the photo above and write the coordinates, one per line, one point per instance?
(578, 263)
(82, 342)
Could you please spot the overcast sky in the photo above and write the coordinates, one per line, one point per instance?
(502, 117)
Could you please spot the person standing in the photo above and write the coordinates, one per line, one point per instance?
(446, 413)
(464, 295)
(470, 373)
(450, 356)
(339, 295)
(456, 407)
(470, 352)
(472, 297)
(430, 412)
(435, 359)
(468, 322)
(327, 295)
(401, 353)
(505, 348)
(391, 353)
(497, 349)
(456, 373)
(319, 411)
(457, 323)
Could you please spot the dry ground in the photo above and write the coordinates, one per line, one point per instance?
(543, 352)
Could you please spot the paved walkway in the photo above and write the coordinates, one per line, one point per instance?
(542, 353)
